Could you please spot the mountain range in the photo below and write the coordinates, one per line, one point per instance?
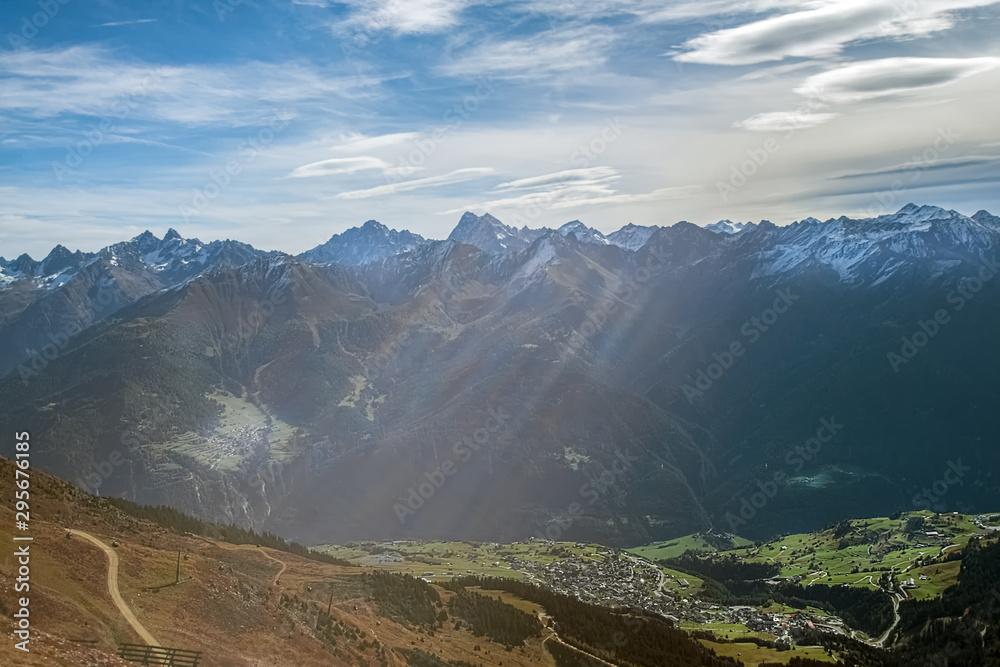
(502, 383)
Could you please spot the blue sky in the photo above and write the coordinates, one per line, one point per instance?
(282, 123)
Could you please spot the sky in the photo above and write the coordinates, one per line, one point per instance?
(283, 123)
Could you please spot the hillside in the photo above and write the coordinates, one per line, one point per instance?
(239, 604)
(248, 604)
(456, 392)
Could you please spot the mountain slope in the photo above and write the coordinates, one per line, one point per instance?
(371, 242)
(518, 384)
(240, 604)
(45, 304)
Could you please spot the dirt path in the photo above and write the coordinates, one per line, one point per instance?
(544, 618)
(260, 550)
(284, 566)
(116, 595)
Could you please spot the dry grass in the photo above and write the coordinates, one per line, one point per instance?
(227, 605)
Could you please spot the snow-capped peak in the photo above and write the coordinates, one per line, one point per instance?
(583, 233)
(487, 233)
(631, 237)
(911, 213)
(372, 242)
(727, 227)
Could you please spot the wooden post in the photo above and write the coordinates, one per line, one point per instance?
(329, 606)
(177, 580)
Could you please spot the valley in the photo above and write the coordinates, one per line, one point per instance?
(272, 602)
(267, 388)
(500, 333)
(854, 553)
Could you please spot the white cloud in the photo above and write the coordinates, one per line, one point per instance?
(871, 79)
(720, 12)
(784, 121)
(457, 176)
(86, 80)
(118, 23)
(361, 143)
(678, 192)
(534, 57)
(576, 187)
(920, 166)
(562, 179)
(823, 31)
(407, 16)
(340, 165)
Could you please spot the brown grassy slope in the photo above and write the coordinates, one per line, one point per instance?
(228, 604)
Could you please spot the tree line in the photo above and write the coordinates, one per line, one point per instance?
(172, 519)
(494, 618)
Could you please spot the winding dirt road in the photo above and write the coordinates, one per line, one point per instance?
(284, 566)
(263, 551)
(116, 595)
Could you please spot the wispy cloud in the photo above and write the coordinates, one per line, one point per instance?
(360, 102)
(533, 57)
(91, 81)
(577, 187)
(343, 165)
(406, 16)
(571, 178)
(785, 121)
(936, 165)
(360, 143)
(118, 23)
(871, 79)
(823, 31)
(457, 176)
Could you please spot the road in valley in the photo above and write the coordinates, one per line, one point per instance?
(116, 595)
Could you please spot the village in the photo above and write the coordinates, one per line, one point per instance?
(616, 578)
(237, 443)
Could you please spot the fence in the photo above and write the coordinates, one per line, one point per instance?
(159, 655)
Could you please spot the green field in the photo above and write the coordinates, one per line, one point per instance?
(856, 553)
(447, 559)
(751, 655)
(674, 548)
(859, 555)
